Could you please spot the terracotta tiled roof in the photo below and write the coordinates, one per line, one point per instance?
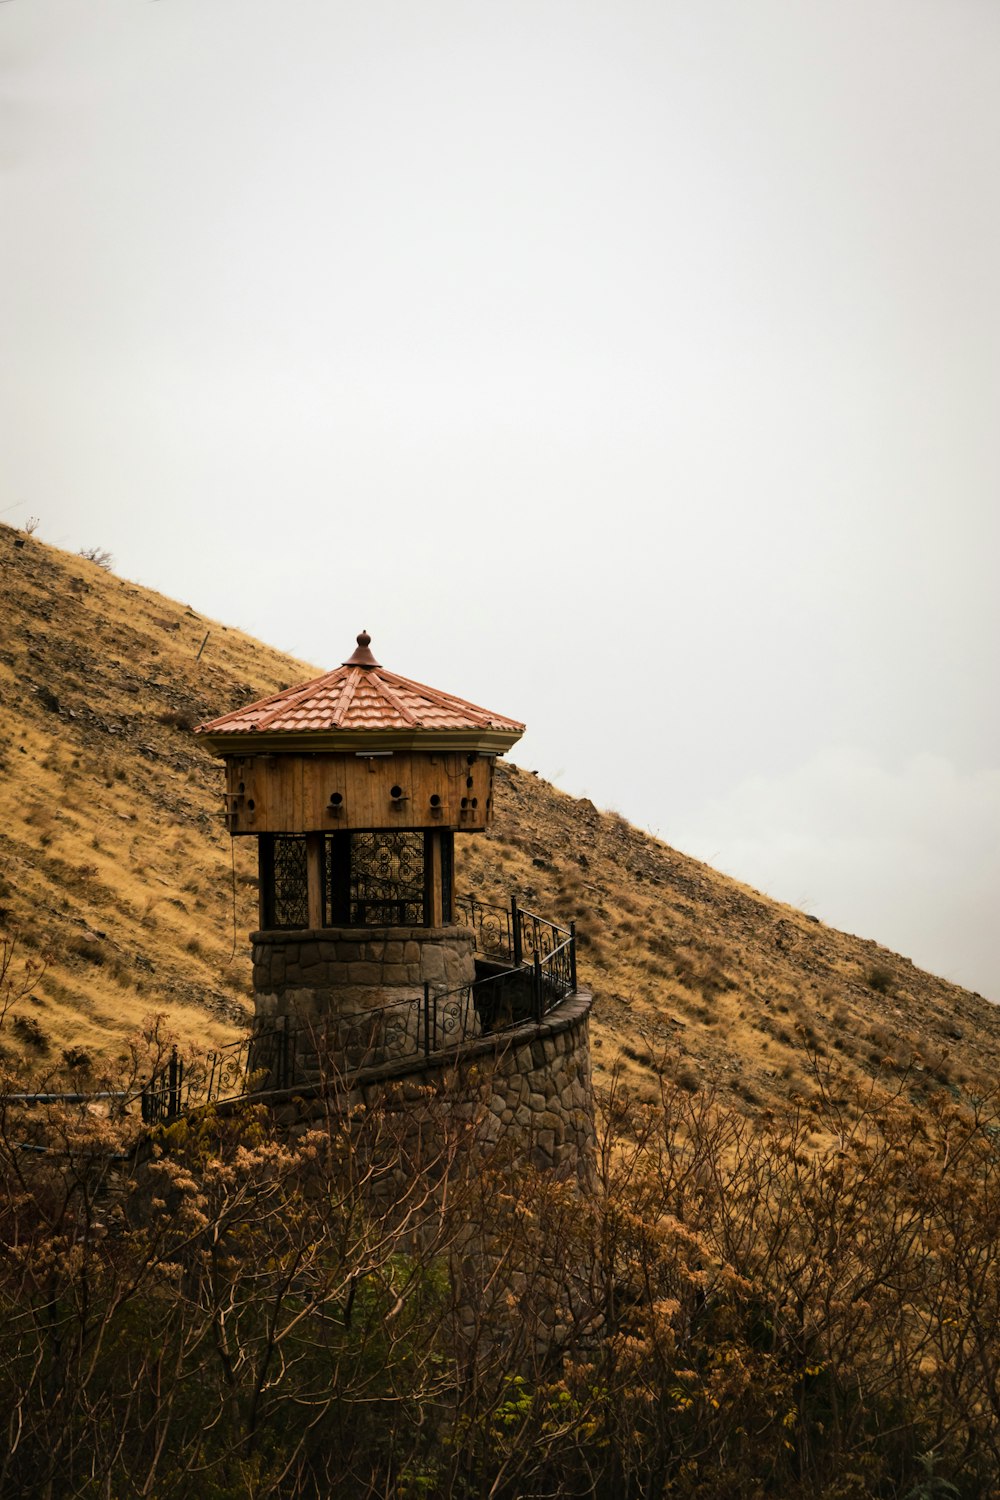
(362, 696)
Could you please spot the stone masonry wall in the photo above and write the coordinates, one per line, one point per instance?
(504, 1098)
(373, 960)
(528, 1090)
(316, 978)
(542, 1092)
(355, 999)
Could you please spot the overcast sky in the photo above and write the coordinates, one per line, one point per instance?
(631, 368)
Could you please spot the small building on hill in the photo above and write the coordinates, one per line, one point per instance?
(368, 964)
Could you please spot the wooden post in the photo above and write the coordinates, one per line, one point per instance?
(447, 841)
(314, 877)
(436, 903)
(265, 880)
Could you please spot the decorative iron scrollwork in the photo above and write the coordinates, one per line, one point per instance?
(493, 932)
(490, 924)
(387, 880)
(286, 887)
(396, 1034)
(449, 1017)
(233, 1072)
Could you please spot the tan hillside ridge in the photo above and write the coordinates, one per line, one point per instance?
(117, 873)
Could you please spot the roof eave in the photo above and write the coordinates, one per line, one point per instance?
(358, 741)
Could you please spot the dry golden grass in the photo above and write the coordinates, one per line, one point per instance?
(116, 872)
(699, 977)
(115, 869)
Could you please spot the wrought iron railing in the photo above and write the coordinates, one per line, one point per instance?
(494, 927)
(286, 1056)
(511, 933)
(165, 1094)
(264, 1059)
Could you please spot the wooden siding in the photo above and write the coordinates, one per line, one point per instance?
(292, 793)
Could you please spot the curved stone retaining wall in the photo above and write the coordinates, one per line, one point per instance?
(542, 1090)
(528, 1089)
(359, 995)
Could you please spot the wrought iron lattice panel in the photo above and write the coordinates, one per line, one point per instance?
(388, 880)
(289, 892)
(447, 876)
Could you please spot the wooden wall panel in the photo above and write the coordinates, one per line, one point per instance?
(293, 793)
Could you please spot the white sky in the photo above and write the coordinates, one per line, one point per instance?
(633, 368)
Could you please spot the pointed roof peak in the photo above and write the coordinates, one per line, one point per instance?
(357, 704)
(362, 657)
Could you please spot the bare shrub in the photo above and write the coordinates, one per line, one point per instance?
(879, 979)
(98, 555)
(30, 1030)
(178, 718)
(799, 1304)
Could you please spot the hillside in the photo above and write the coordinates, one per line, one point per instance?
(116, 875)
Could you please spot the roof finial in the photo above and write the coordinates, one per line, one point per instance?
(362, 657)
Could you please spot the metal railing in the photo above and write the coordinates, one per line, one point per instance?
(512, 933)
(286, 1056)
(263, 1060)
(495, 928)
(162, 1097)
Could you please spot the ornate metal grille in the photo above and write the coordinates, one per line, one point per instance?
(284, 880)
(447, 875)
(388, 881)
(337, 880)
